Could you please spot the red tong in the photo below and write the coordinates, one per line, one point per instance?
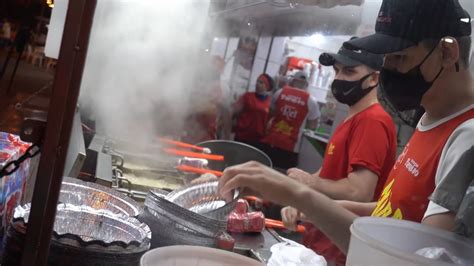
(184, 145)
(204, 153)
(270, 223)
(213, 157)
(197, 170)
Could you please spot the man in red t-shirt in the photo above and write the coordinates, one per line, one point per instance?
(361, 151)
(292, 109)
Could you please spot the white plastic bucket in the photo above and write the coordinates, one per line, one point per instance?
(194, 256)
(385, 241)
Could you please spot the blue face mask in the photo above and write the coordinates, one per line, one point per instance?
(261, 97)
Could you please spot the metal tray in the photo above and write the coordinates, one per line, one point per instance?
(77, 192)
(204, 199)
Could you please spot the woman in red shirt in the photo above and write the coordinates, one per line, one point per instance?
(252, 111)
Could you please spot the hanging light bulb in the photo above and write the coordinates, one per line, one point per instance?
(50, 3)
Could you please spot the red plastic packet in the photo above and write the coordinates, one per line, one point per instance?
(225, 241)
(246, 222)
(242, 206)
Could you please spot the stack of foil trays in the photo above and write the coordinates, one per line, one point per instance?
(94, 225)
(82, 225)
(192, 215)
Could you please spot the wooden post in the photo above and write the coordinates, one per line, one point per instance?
(59, 124)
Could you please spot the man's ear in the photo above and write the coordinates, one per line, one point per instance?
(450, 50)
(374, 78)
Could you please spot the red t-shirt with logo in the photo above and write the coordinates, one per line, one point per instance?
(291, 109)
(253, 118)
(412, 179)
(368, 140)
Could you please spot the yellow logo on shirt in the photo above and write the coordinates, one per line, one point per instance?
(331, 148)
(384, 206)
(284, 128)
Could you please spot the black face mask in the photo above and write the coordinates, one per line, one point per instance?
(405, 90)
(350, 92)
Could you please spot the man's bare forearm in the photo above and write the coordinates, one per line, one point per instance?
(326, 214)
(358, 186)
(341, 189)
(312, 182)
(358, 208)
(337, 190)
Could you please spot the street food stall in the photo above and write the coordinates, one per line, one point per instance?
(102, 176)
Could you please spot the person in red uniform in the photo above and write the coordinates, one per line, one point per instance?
(252, 111)
(361, 151)
(292, 109)
(427, 47)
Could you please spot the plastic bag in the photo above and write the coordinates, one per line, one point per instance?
(441, 254)
(464, 222)
(290, 253)
(225, 241)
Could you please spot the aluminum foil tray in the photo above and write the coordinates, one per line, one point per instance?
(172, 224)
(203, 199)
(174, 233)
(80, 193)
(182, 219)
(90, 226)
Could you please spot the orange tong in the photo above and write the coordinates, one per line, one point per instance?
(279, 225)
(252, 198)
(213, 157)
(191, 169)
(183, 144)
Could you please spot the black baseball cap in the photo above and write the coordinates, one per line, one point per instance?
(404, 23)
(352, 58)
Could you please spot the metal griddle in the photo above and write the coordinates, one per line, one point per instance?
(134, 171)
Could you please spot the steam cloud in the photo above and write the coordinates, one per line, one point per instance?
(137, 81)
